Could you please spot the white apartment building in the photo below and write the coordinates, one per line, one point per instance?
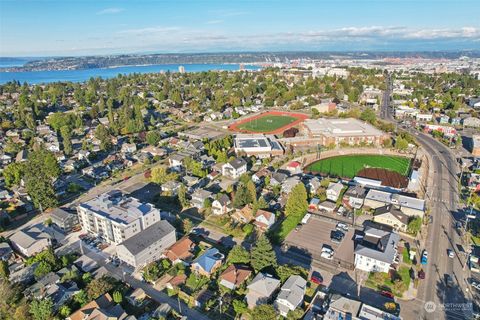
(376, 250)
(115, 217)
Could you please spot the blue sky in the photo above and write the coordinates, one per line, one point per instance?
(74, 27)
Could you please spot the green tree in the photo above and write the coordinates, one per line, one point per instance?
(297, 204)
(66, 139)
(98, 287)
(4, 271)
(414, 225)
(264, 312)
(263, 255)
(239, 307)
(160, 175)
(401, 144)
(102, 134)
(153, 138)
(117, 297)
(13, 173)
(182, 197)
(369, 116)
(42, 269)
(81, 298)
(285, 271)
(295, 314)
(238, 254)
(65, 311)
(41, 309)
(242, 197)
(41, 170)
(187, 225)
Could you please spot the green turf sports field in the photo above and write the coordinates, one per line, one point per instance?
(348, 166)
(267, 123)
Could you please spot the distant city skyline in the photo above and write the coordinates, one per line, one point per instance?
(59, 28)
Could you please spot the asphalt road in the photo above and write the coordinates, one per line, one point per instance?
(435, 300)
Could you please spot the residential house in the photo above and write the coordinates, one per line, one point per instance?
(313, 205)
(175, 161)
(222, 205)
(128, 148)
(6, 251)
(355, 196)
(260, 176)
(341, 307)
(313, 185)
(199, 196)
(391, 216)
(30, 241)
(261, 289)
(291, 295)
(137, 297)
(235, 168)
(376, 250)
(102, 308)
(294, 167)
(234, 276)
(278, 178)
(327, 206)
(85, 263)
(171, 187)
(264, 220)
(244, 215)
(408, 205)
(289, 184)
(63, 219)
(147, 246)
(334, 191)
(208, 262)
(181, 251)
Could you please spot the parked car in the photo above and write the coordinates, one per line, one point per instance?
(424, 258)
(306, 218)
(450, 253)
(316, 278)
(421, 274)
(326, 255)
(298, 227)
(448, 280)
(387, 294)
(336, 236)
(342, 226)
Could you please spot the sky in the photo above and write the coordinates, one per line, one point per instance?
(91, 27)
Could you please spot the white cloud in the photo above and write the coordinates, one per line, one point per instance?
(110, 11)
(214, 22)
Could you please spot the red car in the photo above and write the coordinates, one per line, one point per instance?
(421, 274)
(387, 294)
(316, 278)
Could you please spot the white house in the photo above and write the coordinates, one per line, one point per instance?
(30, 241)
(264, 219)
(376, 250)
(291, 295)
(222, 205)
(234, 168)
(334, 190)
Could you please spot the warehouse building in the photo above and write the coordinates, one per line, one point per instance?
(258, 145)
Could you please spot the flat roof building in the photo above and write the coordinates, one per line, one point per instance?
(259, 145)
(337, 131)
(115, 217)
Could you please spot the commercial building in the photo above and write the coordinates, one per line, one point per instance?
(328, 132)
(115, 217)
(148, 245)
(30, 241)
(258, 145)
(376, 250)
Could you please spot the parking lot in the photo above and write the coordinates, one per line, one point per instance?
(313, 235)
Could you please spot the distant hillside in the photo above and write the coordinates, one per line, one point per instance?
(90, 62)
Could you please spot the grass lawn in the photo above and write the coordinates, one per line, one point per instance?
(406, 256)
(267, 123)
(476, 240)
(381, 281)
(349, 166)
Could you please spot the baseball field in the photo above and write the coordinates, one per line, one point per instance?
(348, 166)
